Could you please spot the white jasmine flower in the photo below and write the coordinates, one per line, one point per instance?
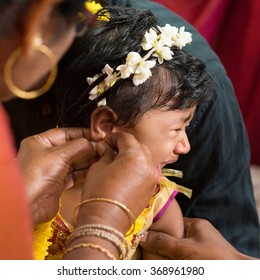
(132, 61)
(98, 89)
(182, 38)
(91, 80)
(168, 32)
(108, 70)
(143, 72)
(110, 81)
(125, 70)
(149, 40)
(94, 92)
(102, 102)
(162, 52)
(133, 58)
(137, 66)
(165, 53)
(111, 76)
(157, 45)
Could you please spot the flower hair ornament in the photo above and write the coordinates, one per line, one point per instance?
(94, 8)
(158, 47)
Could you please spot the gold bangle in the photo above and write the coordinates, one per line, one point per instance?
(66, 223)
(87, 230)
(104, 235)
(100, 226)
(119, 204)
(93, 246)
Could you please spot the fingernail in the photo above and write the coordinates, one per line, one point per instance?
(144, 237)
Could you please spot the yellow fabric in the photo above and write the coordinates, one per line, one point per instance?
(145, 219)
(44, 232)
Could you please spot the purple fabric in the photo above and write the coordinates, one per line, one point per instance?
(160, 213)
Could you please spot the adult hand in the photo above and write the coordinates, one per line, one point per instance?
(125, 173)
(50, 162)
(201, 242)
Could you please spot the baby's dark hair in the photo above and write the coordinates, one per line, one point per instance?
(179, 83)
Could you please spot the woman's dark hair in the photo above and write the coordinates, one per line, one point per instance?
(12, 12)
(181, 82)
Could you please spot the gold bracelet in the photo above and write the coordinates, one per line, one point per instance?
(101, 226)
(119, 204)
(104, 235)
(66, 223)
(86, 230)
(93, 246)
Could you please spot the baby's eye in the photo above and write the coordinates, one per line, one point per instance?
(182, 128)
(187, 128)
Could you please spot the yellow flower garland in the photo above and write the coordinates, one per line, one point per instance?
(94, 7)
(42, 234)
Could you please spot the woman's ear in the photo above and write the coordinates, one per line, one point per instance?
(42, 20)
(101, 123)
(37, 19)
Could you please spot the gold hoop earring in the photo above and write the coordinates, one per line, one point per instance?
(38, 46)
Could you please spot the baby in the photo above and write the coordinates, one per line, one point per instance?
(129, 75)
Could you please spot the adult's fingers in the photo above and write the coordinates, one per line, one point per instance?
(164, 244)
(105, 151)
(76, 150)
(127, 145)
(195, 227)
(125, 142)
(60, 136)
(122, 142)
(75, 178)
(85, 161)
(159, 243)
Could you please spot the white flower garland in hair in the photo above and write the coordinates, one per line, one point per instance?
(158, 46)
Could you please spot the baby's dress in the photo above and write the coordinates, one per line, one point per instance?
(50, 237)
(153, 212)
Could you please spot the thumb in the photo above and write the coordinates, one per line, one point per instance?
(159, 243)
(107, 154)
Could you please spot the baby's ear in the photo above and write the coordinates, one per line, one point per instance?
(101, 123)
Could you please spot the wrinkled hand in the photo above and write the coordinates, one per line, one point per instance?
(201, 242)
(125, 173)
(50, 161)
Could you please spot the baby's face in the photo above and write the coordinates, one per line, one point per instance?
(163, 132)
